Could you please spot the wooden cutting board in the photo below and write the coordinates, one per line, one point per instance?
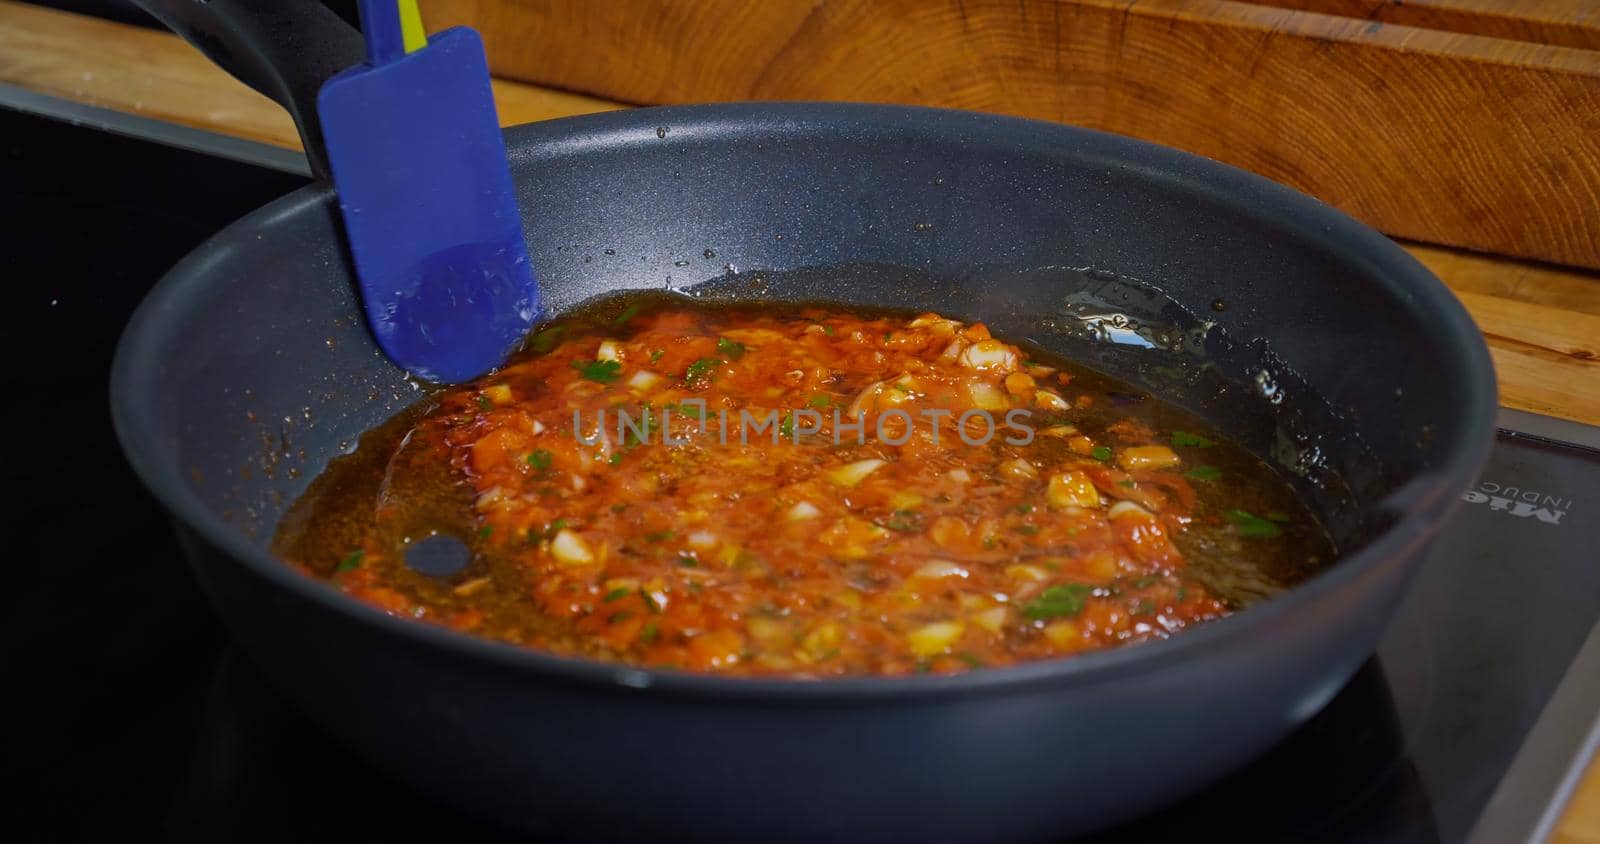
(1468, 123)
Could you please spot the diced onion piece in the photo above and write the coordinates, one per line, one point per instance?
(1128, 509)
(953, 351)
(703, 539)
(1072, 489)
(644, 379)
(991, 620)
(608, 351)
(989, 354)
(1049, 401)
(1063, 634)
(1147, 457)
(498, 393)
(538, 427)
(940, 326)
(1061, 431)
(570, 549)
(851, 474)
(1018, 468)
(1023, 571)
(960, 476)
(986, 397)
(902, 499)
(823, 640)
(934, 639)
(768, 631)
(803, 510)
(936, 569)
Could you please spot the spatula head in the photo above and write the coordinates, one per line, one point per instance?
(420, 167)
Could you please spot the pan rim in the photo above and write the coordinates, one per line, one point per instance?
(138, 358)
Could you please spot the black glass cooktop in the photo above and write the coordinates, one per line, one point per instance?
(127, 711)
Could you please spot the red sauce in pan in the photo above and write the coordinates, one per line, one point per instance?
(818, 492)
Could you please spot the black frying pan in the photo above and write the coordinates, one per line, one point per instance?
(248, 367)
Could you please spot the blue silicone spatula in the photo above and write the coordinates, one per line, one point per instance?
(420, 167)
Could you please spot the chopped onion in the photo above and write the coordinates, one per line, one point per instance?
(569, 548)
(802, 511)
(851, 474)
(644, 379)
(1123, 509)
(703, 539)
(1072, 489)
(991, 619)
(1050, 401)
(989, 354)
(608, 351)
(936, 569)
(934, 639)
(986, 397)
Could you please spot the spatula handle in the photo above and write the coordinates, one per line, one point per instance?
(285, 49)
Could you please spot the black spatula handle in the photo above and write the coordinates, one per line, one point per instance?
(285, 49)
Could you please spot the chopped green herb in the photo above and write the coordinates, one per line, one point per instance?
(649, 632)
(687, 561)
(601, 371)
(887, 336)
(621, 616)
(701, 369)
(1184, 438)
(786, 427)
(923, 666)
(1277, 516)
(1183, 592)
(1126, 482)
(829, 330)
(1101, 453)
(484, 403)
(905, 521)
(627, 313)
(615, 594)
(732, 349)
(485, 531)
(1249, 524)
(548, 339)
(351, 562)
(550, 530)
(820, 401)
(1058, 601)
(1146, 607)
(615, 458)
(540, 459)
(1027, 530)
(649, 600)
(1023, 508)
(656, 355)
(970, 660)
(658, 536)
(900, 388)
(1144, 582)
(1204, 473)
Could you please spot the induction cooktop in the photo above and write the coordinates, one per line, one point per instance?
(128, 711)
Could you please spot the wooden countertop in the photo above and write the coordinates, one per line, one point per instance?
(1542, 322)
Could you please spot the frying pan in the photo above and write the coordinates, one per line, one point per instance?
(1310, 338)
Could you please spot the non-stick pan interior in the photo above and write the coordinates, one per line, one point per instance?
(1310, 338)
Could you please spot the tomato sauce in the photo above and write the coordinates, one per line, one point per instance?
(803, 492)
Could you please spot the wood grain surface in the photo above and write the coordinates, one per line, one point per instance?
(1441, 136)
(1559, 23)
(1542, 322)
